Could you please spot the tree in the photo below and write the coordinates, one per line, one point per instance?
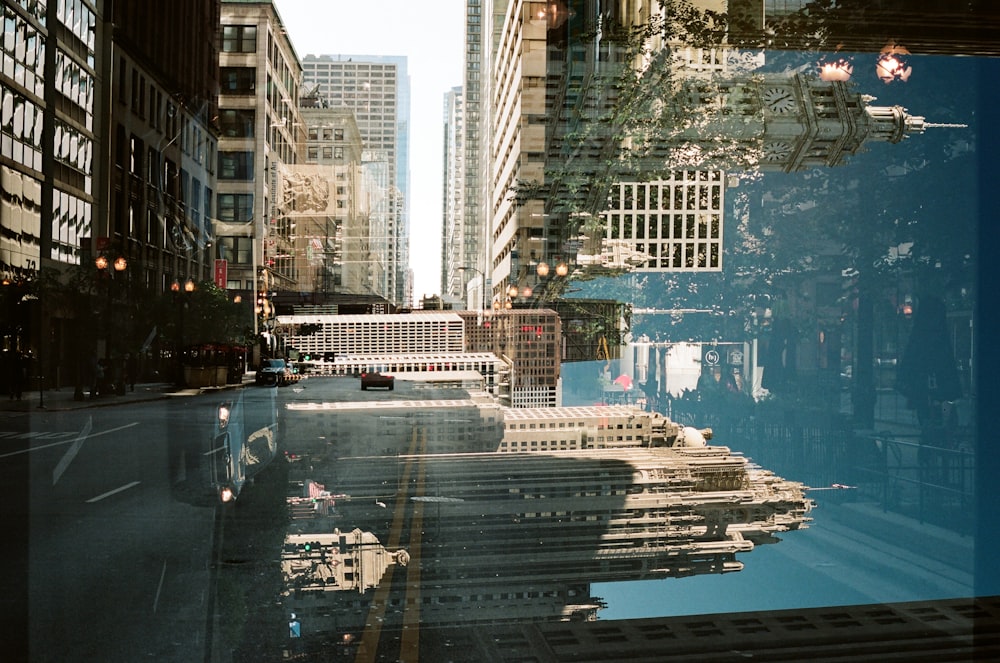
(204, 315)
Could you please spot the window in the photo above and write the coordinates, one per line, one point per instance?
(237, 250)
(235, 207)
(239, 38)
(804, 287)
(236, 166)
(237, 80)
(237, 123)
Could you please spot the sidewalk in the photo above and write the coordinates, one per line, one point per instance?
(56, 400)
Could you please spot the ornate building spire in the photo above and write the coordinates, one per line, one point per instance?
(893, 123)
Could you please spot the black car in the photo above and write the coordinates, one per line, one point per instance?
(273, 372)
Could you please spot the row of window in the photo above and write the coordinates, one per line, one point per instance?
(20, 129)
(680, 256)
(76, 84)
(328, 152)
(330, 69)
(35, 8)
(23, 52)
(666, 226)
(177, 125)
(80, 20)
(74, 148)
(71, 219)
(550, 425)
(666, 197)
(326, 133)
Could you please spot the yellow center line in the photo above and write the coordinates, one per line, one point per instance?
(410, 644)
(368, 647)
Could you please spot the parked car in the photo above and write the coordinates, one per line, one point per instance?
(273, 372)
(377, 379)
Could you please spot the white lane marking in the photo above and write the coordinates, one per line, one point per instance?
(159, 587)
(112, 492)
(56, 444)
(72, 451)
(35, 435)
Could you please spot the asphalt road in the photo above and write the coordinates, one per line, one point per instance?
(115, 558)
(115, 547)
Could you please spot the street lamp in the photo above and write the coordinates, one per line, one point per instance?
(176, 288)
(106, 271)
(482, 279)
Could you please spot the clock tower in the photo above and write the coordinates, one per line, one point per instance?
(806, 122)
(781, 122)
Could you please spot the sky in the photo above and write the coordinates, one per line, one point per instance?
(431, 36)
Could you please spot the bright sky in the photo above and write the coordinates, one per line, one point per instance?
(431, 36)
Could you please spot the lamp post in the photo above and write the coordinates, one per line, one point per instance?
(184, 291)
(108, 272)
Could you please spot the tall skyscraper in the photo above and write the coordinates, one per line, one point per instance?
(509, 537)
(466, 276)
(377, 89)
(453, 241)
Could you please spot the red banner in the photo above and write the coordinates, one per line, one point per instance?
(221, 272)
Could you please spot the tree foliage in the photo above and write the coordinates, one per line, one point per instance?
(642, 120)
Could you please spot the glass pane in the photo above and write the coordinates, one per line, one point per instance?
(704, 369)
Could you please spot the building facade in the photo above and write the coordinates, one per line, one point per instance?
(262, 130)
(374, 334)
(454, 261)
(108, 132)
(670, 224)
(377, 89)
(474, 233)
(530, 340)
(507, 537)
(332, 238)
(37, 175)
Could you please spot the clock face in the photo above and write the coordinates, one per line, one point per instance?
(778, 100)
(775, 150)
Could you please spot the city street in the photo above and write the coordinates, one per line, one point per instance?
(115, 566)
(120, 555)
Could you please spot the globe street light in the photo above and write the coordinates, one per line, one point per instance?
(106, 277)
(177, 289)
